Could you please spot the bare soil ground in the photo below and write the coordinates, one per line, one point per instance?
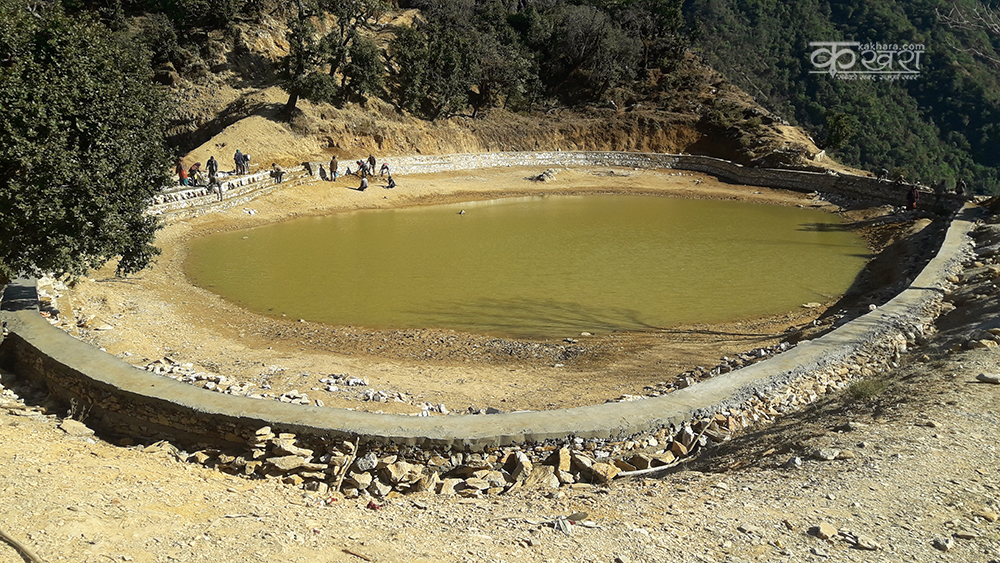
(921, 465)
(916, 480)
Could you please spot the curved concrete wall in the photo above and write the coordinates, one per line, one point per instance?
(846, 185)
(123, 398)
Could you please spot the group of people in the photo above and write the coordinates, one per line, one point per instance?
(940, 190)
(242, 162)
(194, 176)
(365, 168)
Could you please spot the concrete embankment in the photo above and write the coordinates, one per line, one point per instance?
(127, 398)
(182, 203)
(281, 438)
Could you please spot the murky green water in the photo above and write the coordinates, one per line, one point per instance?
(536, 267)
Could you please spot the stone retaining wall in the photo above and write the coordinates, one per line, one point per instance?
(859, 188)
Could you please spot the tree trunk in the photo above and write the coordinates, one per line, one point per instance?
(293, 99)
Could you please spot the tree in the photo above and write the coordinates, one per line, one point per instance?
(302, 54)
(408, 56)
(82, 152)
(310, 52)
(589, 52)
(841, 128)
(433, 69)
(352, 16)
(363, 75)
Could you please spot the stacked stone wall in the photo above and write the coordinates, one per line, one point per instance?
(186, 202)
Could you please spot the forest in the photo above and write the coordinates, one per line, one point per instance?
(944, 124)
(461, 57)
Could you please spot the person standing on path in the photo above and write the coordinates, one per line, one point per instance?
(238, 159)
(371, 164)
(182, 174)
(911, 198)
(333, 168)
(213, 169)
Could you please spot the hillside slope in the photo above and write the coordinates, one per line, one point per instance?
(938, 124)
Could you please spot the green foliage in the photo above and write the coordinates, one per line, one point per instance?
(433, 69)
(82, 151)
(342, 52)
(868, 388)
(724, 115)
(364, 74)
(490, 53)
(158, 33)
(409, 54)
(841, 128)
(943, 125)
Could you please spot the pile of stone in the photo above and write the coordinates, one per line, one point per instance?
(186, 373)
(427, 408)
(384, 396)
(546, 176)
(335, 381)
(322, 465)
(294, 397)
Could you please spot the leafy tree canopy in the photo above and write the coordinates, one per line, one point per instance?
(942, 125)
(82, 151)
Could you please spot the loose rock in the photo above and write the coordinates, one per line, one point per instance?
(824, 531)
(943, 544)
(75, 428)
(988, 378)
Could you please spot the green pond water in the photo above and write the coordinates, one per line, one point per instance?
(550, 266)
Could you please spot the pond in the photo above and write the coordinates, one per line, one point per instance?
(536, 267)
